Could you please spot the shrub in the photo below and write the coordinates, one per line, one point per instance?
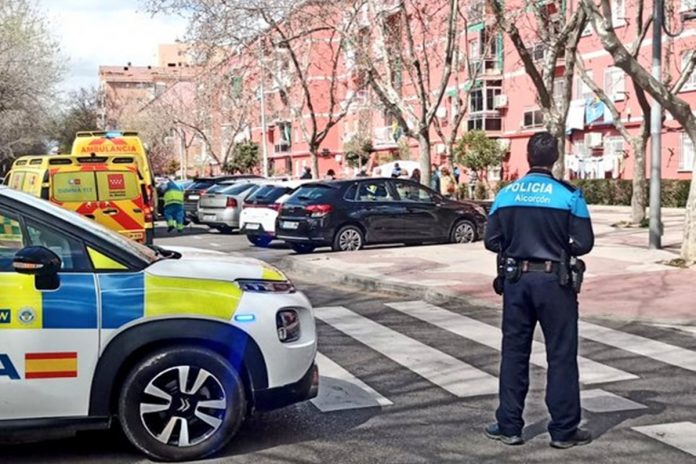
(618, 192)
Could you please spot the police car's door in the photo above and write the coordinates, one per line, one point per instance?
(48, 337)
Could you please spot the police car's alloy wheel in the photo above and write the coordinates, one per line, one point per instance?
(349, 238)
(181, 403)
(464, 231)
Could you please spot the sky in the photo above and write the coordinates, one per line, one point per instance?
(91, 33)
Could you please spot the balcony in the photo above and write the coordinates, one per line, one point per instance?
(383, 137)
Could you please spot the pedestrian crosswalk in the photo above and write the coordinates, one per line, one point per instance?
(342, 390)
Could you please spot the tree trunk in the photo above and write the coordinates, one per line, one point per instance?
(688, 249)
(638, 196)
(424, 156)
(558, 130)
(314, 155)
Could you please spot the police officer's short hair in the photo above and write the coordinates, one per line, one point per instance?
(542, 149)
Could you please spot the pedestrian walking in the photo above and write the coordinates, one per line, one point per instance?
(362, 173)
(435, 178)
(330, 175)
(174, 206)
(538, 225)
(473, 178)
(456, 172)
(396, 172)
(416, 175)
(448, 186)
(307, 174)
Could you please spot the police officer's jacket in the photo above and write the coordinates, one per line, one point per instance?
(538, 217)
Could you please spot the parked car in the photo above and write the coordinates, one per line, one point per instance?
(220, 206)
(260, 211)
(346, 215)
(200, 184)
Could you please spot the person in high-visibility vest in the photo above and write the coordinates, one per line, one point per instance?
(174, 206)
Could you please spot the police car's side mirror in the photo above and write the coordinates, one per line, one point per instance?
(36, 260)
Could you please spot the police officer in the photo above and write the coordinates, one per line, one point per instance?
(536, 224)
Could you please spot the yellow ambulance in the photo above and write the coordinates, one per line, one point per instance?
(108, 189)
(123, 143)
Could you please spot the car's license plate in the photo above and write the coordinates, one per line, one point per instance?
(194, 197)
(253, 226)
(209, 217)
(292, 225)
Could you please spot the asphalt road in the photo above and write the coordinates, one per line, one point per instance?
(387, 396)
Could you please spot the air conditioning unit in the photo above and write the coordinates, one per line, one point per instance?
(500, 101)
(594, 140)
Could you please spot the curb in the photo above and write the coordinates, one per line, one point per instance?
(305, 269)
(356, 281)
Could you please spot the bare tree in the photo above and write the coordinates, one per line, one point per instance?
(406, 49)
(639, 141)
(555, 41)
(663, 92)
(29, 71)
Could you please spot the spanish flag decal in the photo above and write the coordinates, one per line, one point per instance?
(50, 365)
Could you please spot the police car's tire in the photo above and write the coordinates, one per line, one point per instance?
(181, 403)
(259, 240)
(464, 231)
(348, 238)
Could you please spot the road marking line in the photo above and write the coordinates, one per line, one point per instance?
(659, 351)
(679, 435)
(591, 372)
(453, 375)
(340, 390)
(600, 401)
(216, 245)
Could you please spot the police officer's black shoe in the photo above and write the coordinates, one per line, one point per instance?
(494, 433)
(579, 438)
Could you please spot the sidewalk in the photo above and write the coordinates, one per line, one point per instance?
(625, 280)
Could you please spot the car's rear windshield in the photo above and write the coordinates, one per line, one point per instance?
(83, 186)
(200, 185)
(310, 194)
(268, 194)
(235, 189)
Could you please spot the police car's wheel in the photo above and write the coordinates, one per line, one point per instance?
(181, 403)
(259, 240)
(348, 238)
(464, 231)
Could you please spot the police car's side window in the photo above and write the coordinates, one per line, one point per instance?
(71, 251)
(11, 240)
(409, 191)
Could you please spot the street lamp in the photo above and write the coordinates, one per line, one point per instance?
(656, 131)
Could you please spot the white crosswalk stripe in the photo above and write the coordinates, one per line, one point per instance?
(659, 351)
(680, 435)
(591, 372)
(453, 375)
(339, 389)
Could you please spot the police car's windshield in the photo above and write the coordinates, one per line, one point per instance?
(90, 226)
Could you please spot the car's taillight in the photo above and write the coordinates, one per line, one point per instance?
(318, 210)
(274, 206)
(231, 202)
(148, 214)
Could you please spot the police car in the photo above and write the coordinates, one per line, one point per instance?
(95, 328)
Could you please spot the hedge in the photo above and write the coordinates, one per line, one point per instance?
(618, 191)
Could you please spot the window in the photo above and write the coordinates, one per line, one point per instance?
(686, 160)
(351, 192)
(582, 90)
(374, 191)
(74, 187)
(71, 252)
(615, 84)
(537, 52)
(410, 191)
(11, 240)
(533, 118)
(285, 137)
(686, 57)
(618, 13)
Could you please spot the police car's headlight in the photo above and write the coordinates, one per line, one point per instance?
(266, 286)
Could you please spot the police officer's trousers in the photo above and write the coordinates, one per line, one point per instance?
(537, 296)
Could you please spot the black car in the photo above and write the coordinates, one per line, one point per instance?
(200, 184)
(347, 215)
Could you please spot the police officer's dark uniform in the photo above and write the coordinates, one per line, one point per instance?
(536, 224)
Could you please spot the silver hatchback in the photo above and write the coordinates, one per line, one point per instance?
(220, 206)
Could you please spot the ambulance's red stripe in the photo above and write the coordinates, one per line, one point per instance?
(30, 356)
(51, 375)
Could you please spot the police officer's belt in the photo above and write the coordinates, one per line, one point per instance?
(539, 266)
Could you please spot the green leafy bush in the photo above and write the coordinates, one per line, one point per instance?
(618, 191)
